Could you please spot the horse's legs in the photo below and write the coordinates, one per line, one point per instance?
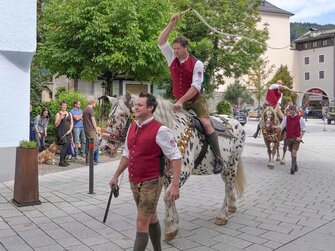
(277, 150)
(229, 202)
(171, 216)
(282, 162)
(270, 154)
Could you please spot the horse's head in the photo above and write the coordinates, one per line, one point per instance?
(120, 118)
(269, 117)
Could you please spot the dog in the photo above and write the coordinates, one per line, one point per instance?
(47, 155)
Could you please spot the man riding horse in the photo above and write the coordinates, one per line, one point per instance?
(273, 99)
(187, 77)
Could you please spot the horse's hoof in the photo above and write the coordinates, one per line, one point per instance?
(231, 209)
(278, 159)
(271, 166)
(170, 236)
(220, 221)
(282, 163)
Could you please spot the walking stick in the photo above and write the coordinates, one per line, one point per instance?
(115, 191)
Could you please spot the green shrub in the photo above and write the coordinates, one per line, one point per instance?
(28, 144)
(224, 107)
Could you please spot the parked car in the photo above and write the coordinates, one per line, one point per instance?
(316, 114)
(330, 114)
(256, 113)
(241, 117)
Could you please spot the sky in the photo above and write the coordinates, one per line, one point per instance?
(311, 11)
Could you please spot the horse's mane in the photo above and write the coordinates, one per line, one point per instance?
(276, 120)
(164, 112)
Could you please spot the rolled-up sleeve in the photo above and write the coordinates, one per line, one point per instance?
(167, 52)
(283, 123)
(198, 75)
(125, 152)
(167, 143)
(302, 124)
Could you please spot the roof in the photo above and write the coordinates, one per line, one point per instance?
(265, 6)
(315, 35)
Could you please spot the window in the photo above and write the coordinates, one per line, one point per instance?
(315, 44)
(305, 45)
(321, 58)
(306, 75)
(306, 60)
(321, 74)
(324, 42)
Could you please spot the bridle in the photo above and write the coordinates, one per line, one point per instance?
(269, 133)
(120, 136)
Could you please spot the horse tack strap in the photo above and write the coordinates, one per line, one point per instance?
(202, 154)
(271, 135)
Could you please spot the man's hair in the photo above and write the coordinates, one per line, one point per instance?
(91, 102)
(63, 102)
(76, 102)
(151, 100)
(183, 41)
(292, 107)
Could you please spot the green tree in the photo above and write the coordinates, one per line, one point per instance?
(224, 107)
(224, 56)
(38, 78)
(236, 91)
(284, 75)
(257, 78)
(87, 39)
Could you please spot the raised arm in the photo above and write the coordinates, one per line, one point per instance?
(163, 37)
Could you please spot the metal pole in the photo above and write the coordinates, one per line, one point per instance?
(91, 167)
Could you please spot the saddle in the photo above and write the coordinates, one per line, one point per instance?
(220, 125)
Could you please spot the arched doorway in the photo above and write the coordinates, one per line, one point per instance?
(315, 99)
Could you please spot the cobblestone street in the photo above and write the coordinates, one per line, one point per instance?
(280, 211)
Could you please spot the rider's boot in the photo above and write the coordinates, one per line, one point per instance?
(214, 143)
(257, 131)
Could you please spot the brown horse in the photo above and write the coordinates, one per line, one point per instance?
(272, 136)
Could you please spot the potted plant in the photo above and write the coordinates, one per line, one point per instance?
(26, 175)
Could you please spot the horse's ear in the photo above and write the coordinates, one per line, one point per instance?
(127, 97)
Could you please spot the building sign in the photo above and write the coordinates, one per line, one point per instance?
(314, 97)
(315, 94)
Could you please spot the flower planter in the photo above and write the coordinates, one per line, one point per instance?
(26, 178)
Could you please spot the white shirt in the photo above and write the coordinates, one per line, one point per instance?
(164, 139)
(198, 71)
(302, 123)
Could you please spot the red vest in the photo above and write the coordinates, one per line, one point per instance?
(293, 127)
(182, 75)
(144, 152)
(273, 96)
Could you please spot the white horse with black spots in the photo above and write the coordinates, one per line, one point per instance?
(233, 176)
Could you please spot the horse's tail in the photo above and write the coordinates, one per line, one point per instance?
(240, 181)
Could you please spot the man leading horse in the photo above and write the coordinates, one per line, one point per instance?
(273, 98)
(187, 77)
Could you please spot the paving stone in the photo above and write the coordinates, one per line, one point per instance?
(37, 238)
(48, 248)
(256, 247)
(252, 238)
(69, 242)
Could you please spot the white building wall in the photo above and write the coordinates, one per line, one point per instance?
(17, 47)
(279, 37)
(313, 68)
